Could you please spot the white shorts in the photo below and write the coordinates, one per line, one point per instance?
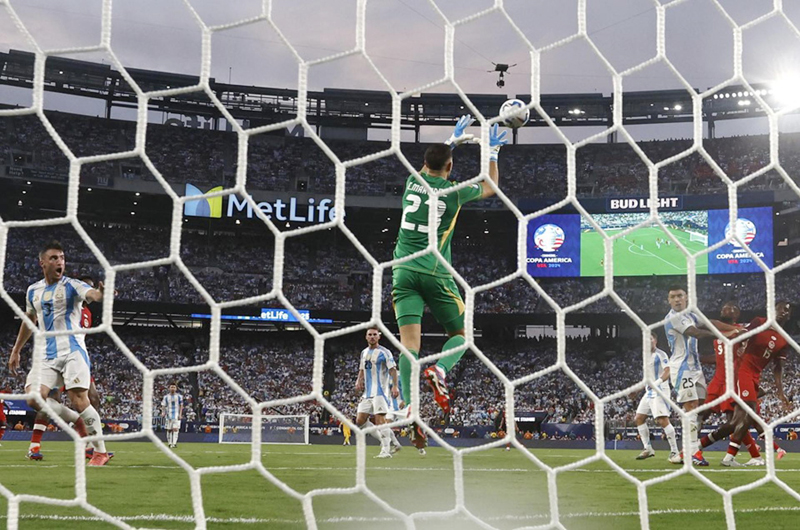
(70, 371)
(655, 406)
(691, 387)
(173, 425)
(374, 405)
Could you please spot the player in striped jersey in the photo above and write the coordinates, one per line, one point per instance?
(173, 412)
(654, 405)
(376, 368)
(41, 420)
(688, 381)
(54, 303)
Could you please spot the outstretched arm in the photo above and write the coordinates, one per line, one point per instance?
(496, 141)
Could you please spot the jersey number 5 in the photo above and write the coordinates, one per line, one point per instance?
(416, 202)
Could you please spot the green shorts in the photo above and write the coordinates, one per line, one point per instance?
(412, 291)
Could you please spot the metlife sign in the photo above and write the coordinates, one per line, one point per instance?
(311, 211)
(292, 209)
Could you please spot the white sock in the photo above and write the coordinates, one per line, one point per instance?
(694, 444)
(174, 437)
(92, 420)
(375, 434)
(386, 439)
(393, 437)
(644, 434)
(669, 431)
(65, 413)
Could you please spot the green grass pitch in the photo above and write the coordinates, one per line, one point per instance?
(638, 255)
(503, 488)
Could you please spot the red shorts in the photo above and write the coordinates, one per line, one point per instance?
(747, 386)
(715, 389)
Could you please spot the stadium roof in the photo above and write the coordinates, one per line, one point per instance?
(359, 108)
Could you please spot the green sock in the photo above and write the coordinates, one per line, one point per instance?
(405, 376)
(448, 362)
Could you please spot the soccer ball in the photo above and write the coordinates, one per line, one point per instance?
(514, 113)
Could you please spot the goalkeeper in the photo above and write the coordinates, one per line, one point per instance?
(424, 280)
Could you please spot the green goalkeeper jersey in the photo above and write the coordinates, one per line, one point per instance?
(413, 234)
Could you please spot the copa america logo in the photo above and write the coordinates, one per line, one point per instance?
(549, 237)
(745, 230)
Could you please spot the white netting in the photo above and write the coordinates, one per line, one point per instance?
(238, 429)
(212, 365)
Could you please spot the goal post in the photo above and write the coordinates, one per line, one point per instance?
(695, 236)
(275, 429)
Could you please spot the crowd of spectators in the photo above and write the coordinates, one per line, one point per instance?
(273, 366)
(322, 272)
(275, 163)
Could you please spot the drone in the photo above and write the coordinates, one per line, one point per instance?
(503, 69)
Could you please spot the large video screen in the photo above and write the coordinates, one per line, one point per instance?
(567, 245)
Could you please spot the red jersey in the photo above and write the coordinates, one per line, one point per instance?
(86, 317)
(761, 348)
(719, 351)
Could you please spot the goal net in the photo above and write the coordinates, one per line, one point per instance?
(238, 429)
(261, 429)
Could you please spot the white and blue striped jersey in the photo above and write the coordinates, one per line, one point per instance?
(58, 308)
(685, 357)
(172, 404)
(376, 363)
(659, 360)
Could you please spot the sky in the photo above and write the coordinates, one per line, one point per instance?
(405, 40)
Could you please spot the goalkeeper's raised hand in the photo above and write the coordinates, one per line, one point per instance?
(459, 136)
(496, 141)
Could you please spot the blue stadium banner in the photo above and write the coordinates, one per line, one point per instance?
(754, 228)
(283, 315)
(554, 245)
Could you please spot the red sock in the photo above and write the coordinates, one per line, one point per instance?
(80, 428)
(2, 432)
(774, 444)
(38, 430)
(733, 447)
(751, 445)
(705, 441)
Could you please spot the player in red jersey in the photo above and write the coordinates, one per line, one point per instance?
(3, 424)
(42, 420)
(729, 314)
(761, 349)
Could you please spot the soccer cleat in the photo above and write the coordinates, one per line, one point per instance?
(436, 380)
(756, 462)
(383, 455)
(417, 437)
(89, 453)
(780, 453)
(35, 455)
(675, 458)
(395, 448)
(698, 460)
(730, 462)
(647, 453)
(99, 459)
